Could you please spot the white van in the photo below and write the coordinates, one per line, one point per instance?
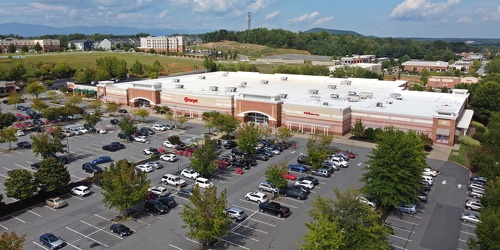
(428, 179)
(173, 180)
(203, 182)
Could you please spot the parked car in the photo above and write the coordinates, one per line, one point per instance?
(141, 138)
(168, 144)
(290, 176)
(19, 133)
(235, 213)
(478, 179)
(422, 196)
(51, 241)
(256, 196)
(190, 173)
(122, 111)
(102, 159)
(144, 168)
(174, 180)
(310, 178)
(425, 185)
(236, 151)
(302, 159)
(366, 201)
(476, 193)
(330, 166)
(89, 167)
(168, 157)
(428, 179)
(230, 144)
(305, 183)
(298, 168)
(167, 201)
(23, 144)
(118, 145)
(114, 121)
(203, 182)
(470, 217)
(408, 208)
(154, 164)
(120, 229)
(267, 186)
(185, 192)
(476, 185)
(430, 172)
(339, 162)
(159, 127)
(150, 151)
(35, 166)
(56, 202)
(101, 131)
(321, 172)
(124, 137)
(160, 191)
(241, 164)
(471, 204)
(110, 148)
(295, 193)
(80, 191)
(261, 157)
(274, 208)
(249, 161)
(155, 207)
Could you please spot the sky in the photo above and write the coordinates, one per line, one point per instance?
(382, 18)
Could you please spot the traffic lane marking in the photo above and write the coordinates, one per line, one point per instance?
(392, 218)
(397, 237)
(88, 236)
(467, 233)
(4, 227)
(102, 229)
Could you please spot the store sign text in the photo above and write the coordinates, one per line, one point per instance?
(186, 99)
(310, 113)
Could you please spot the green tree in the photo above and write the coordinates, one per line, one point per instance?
(11, 241)
(323, 233)
(275, 175)
(127, 125)
(203, 160)
(50, 113)
(92, 119)
(35, 89)
(112, 107)
(122, 186)
(8, 134)
(95, 104)
(20, 184)
(210, 119)
(492, 134)
(209, 65)
(74, 99)
(318, 149)
(17, 71)
(486, 159)
(249, 137)
(284, 134)
(170, 117)
(38, 104)
(143, 113)
(115, 68)
(45, 145)
(227, 124)
(11, 48)
(63, 70)
(52, 175)
(14, 98)
(6, 119)
(204, 216)
(395, 167)
(487, 231)
(37, 47)
(24, 49)
(137, 68)
(181, 120)
(86, 75)
(358, 129)
(72, 46)
(485, 100)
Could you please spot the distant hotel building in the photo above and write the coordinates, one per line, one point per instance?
(46, 44)
(357, 59)
(418, 66)
(164, 43)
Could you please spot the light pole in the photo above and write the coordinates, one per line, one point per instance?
(67, 145)
(178, 167)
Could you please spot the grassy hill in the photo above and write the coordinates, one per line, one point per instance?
(253, 51)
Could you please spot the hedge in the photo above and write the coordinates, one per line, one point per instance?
(468, 141)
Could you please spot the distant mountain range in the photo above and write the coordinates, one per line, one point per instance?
(34, 30)
(335, 32)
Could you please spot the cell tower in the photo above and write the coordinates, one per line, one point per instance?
(249, 19)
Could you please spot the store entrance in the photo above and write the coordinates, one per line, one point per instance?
(257, 118)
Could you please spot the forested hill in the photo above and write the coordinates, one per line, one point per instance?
(324, 43)
(333, 32)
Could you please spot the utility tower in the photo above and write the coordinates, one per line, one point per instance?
(249, 19)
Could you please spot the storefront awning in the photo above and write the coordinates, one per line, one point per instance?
(92, 92)
(85, 90)
(77, 90)
(466, 118)
(443, 131)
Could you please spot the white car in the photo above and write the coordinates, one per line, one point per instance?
(102, 131)
(305, 183)
(159, 127)
(168, 157)
(366, 201)
(76, 131)
(339, 162)
(189, 173)
(150, 151)
(19, 133)
(258, 197)
(470, 217)
(83, 130)
(155, 164)
(168, 144)
(429, 172)
(145, 168)
(68, 133)
(141, 138)
(80, 190)
(275, 151)
(160, 191)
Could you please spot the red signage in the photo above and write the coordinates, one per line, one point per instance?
(310, 113)
(187, 99)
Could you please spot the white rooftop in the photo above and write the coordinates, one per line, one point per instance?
(300, 89)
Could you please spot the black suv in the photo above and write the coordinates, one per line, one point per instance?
(114, 121)
(302, 159)
(167, 201)
(24, 144)
(110, 148)
(89, 167)
(230, 144)
(261, 157)
(296, 193)
(117, 144)
(124, 137)
(241, 164)
(250, 161)
(155, 206)
(237, 152)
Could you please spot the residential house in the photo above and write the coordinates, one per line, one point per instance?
(82, 45)
(116, 42)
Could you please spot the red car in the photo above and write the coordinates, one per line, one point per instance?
(290, 176)
(19, 125)
(29, 124)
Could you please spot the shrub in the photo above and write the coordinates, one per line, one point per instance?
(477, 124)
(478, 136)
(370, 134)
(155, 156)
(468, 141)
(480, 130)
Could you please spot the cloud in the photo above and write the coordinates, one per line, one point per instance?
(272, 15)
(322, 20)
(202, 6)
(163, 14)
(464, 20)
(421, 9)
(258, 5)
(304, 17)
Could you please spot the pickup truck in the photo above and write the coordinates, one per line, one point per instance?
(274, 208)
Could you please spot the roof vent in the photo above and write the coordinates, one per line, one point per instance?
(351, 93)
(243, 84)
(325, 103)
(283, 96)
(345, 82)
(316, 97)
(213, 88)
(284, 78)
(225, 74)
(366, 95)
(201, 77)
(394, 95)
(176, 80)
(179, 86)
(399, 98)
(313, 91)
(332, 86)
(389, 102)
(334, 96)
(264, 81)
(380, 105)
(230, 89)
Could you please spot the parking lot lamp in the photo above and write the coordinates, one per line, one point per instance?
(178, 166)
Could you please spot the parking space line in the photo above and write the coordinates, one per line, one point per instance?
(23, 167)
(251, 202)
(260, 231)
(101, 229)
(7, 168)
(87, 236)
(400, 228)
(234, 244)
(102, 217)
(85, 151)
(193, 241)
(401, 238)
(244, 236)
(4, 176)
(4, 227)
(398, 247)
(468, 233)
(5, 154)
(402, 221)
(265, 223)
(287, 205)
(469, 225)
(36, 243)
(29, 162)
(462, 240)
(50, 208)
(175, 247)
(34, 213)
(17, 219)
(288, 198)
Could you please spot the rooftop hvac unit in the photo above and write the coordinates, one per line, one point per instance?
(176, 80)
(395, 95)
(284, 78)
(179, 86)
(334, 96)
(283, 96)
(389, 102)
(325, 103)
(380, 105)
(264, 81)
(243, 84)
(351, 93)
(345, 82)
(213, 88)
(316, 98)
(202, 77)
(399, 98)
(366, 95)
(313, 91)
(332, 86)
(230, 89)
(225, 74)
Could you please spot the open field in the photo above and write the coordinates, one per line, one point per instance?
(81, 60)
(253, 51)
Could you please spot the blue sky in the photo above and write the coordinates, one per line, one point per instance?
(383, 18)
